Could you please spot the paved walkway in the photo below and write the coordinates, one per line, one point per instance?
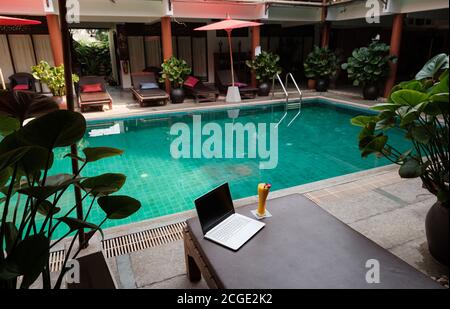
(378, 203)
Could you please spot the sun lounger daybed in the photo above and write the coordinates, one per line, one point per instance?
(92, 92)
(145, 89)
(201, 92)
(223, 80)
(23, 82)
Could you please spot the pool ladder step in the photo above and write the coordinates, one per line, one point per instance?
(290, 105)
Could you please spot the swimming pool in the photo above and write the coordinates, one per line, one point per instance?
(319, 144)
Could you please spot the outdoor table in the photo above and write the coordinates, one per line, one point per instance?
(301, 246)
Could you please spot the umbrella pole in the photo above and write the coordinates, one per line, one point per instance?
(231, 57)
(70, 106)
(2, 79)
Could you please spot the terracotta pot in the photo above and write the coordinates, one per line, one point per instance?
(436, 228)
(311, 84)
(61, 102)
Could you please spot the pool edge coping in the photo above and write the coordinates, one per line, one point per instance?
(141, 113)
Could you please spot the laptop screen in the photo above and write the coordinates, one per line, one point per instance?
(214, 207)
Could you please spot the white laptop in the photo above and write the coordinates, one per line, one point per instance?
(219, 221)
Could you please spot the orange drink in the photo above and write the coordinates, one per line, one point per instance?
(263, 192)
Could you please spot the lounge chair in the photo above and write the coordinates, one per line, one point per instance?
(200, 91)
(147, 95)
(223, 79)
(92, 92)
(23, 82)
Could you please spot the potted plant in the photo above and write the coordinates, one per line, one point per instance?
(175, 70)
(266, 67)
(32, 215)
(368, 66)
(54, 78)
(421, 109)
(320, 65)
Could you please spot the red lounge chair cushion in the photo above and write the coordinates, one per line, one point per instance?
(191, 82)
(92, 88)
(239, 85)
(21, 87)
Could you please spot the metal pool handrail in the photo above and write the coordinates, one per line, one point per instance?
(285, 93)
(300, 94)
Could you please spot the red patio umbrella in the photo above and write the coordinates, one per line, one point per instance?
(228, 25)
(12, 21)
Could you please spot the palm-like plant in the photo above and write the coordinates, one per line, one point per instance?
(30, 197)
(265, 66)
(368, 65)
(175, 70)
(53, 77)
(321, 63)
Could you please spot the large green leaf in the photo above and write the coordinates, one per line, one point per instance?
(384, 107)
(35, 157)
(46, 208)
(362, 121)
(433, 66)
(440, 87)
(421, 135)
(8, 125)
(11, 234)
(376, 145)
(76, 224)
(23, 105)
(104, 184)
(57, 129)
(409, 117)
(118, 206)
(5, 174)
(411, 169)
(28, 259)
(10, 157)
(39, 193)
(409, 97)
(96, 153)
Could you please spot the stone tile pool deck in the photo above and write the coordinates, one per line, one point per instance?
(377, 203)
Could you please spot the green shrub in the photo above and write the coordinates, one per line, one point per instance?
(53, 77)
(420, 108)
(30, 194)
(175, 70)
(320, 63)
(368, 65)
(265, 65)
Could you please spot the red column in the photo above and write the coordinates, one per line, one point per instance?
(325, 26)
(55, 39)
(166, 38)
(256, 41)
(396, 40)
(325, 34)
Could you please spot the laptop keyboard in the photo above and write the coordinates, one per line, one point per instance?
(230, 228)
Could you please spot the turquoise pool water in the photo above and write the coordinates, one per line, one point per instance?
(320, 144)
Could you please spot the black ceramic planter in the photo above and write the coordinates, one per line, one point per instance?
(177, 95)
(436, 228)
(322, 85)
(264, 89)
(371, 92)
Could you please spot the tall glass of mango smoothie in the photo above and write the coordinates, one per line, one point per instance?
(263, 192)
